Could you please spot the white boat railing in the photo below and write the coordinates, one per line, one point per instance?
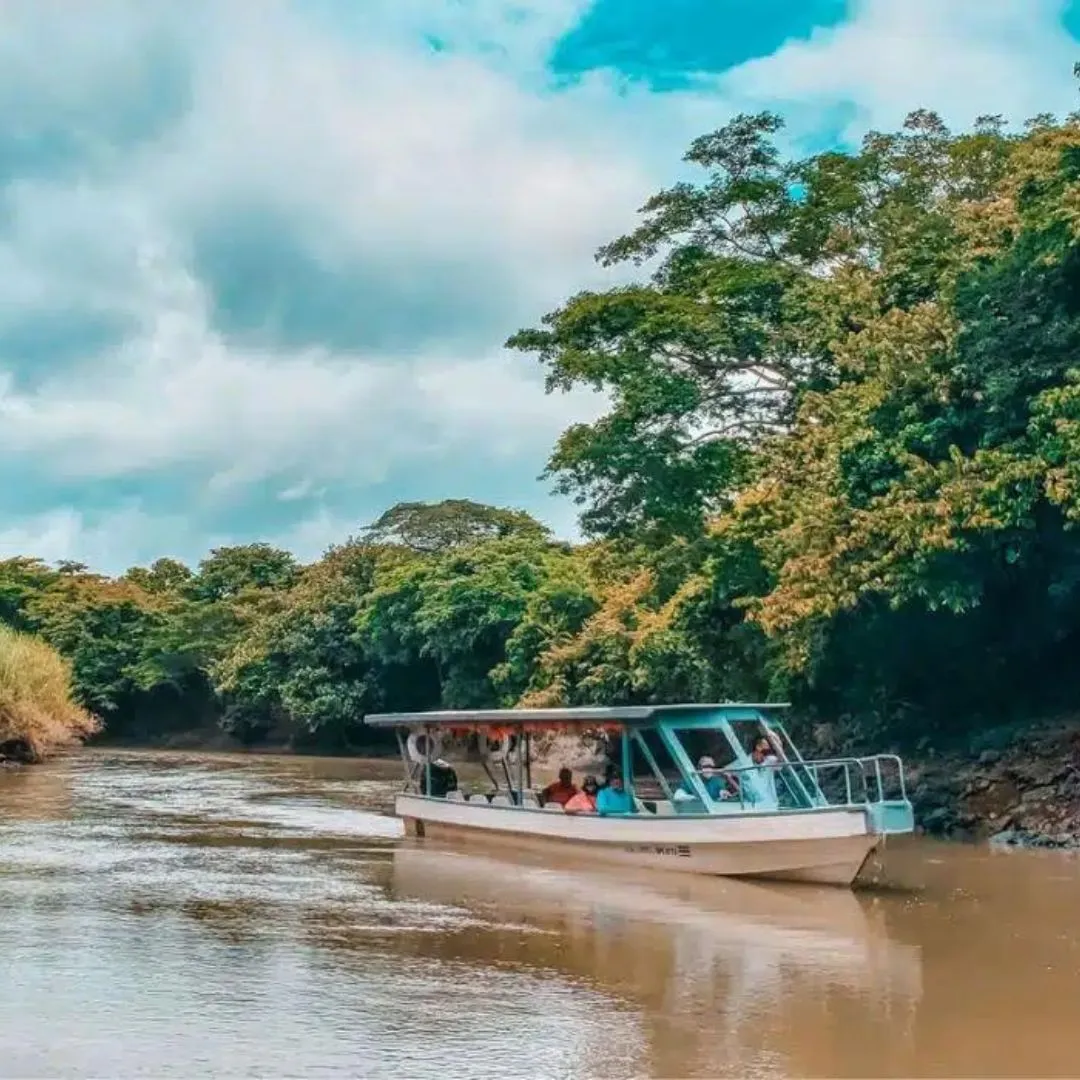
(791, 785)
(803, 784)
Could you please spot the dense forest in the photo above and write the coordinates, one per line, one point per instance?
(840, 465)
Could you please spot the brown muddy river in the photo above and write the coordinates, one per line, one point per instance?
(187, 915)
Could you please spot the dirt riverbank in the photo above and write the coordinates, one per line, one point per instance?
(1017, 785)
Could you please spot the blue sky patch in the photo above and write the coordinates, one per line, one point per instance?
(666, 42)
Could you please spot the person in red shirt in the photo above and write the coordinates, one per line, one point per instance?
(562, 791)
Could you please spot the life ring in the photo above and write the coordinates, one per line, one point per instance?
(432, 747)
(499, 749)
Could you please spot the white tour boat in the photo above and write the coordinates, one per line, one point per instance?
(765, 812)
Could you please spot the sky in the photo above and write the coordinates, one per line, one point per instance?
(258, 257)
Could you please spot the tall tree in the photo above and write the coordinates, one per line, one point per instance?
(429, 528)
(229, 571)
(714, 353)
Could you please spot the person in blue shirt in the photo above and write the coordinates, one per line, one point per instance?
(614, 798)
(713, 781)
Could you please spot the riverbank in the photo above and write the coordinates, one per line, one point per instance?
(1016, 785)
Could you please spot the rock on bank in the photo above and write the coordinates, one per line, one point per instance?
(1017, 786)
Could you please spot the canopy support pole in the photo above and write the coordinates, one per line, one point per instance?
(410, 768)
(627, 763)
(682, 761)
(651, 760)
(522, 753)
(427, 761)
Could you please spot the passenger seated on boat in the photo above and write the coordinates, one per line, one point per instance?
(562, 790)
(584, 802)
(614, 799)
(443, 779)
(713, 781)
(759, 783)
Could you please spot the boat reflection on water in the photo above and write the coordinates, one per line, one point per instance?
(728, 975)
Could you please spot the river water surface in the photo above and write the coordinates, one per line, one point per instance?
(190, 915)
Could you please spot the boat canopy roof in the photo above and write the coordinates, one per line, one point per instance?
(591, 716)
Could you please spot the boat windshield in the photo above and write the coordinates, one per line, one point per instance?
(712, 760)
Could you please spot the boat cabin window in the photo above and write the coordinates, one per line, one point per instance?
(747, 732)
(790, 787)
(646, 781)
(706, 742)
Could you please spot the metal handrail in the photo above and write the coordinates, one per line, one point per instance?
(864, 783)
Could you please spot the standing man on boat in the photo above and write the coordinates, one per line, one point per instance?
(614, 798)
(759, 782)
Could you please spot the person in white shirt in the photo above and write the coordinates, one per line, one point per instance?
(759, 782)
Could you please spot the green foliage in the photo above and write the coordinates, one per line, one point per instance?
(456, 612)
(100, 626)
(427, 528)
(21, 579)
(231, 571)
(299, 671)
(762, 266)
(166, 576)
(896, 527)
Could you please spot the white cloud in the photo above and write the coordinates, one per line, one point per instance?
(176, 393)
(404, 154)
(302, 489)
(108, 542)
(962, 58)
(375, 152)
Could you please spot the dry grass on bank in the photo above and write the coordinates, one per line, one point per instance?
(37, 713)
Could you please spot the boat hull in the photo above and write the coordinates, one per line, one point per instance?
(828, 846)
